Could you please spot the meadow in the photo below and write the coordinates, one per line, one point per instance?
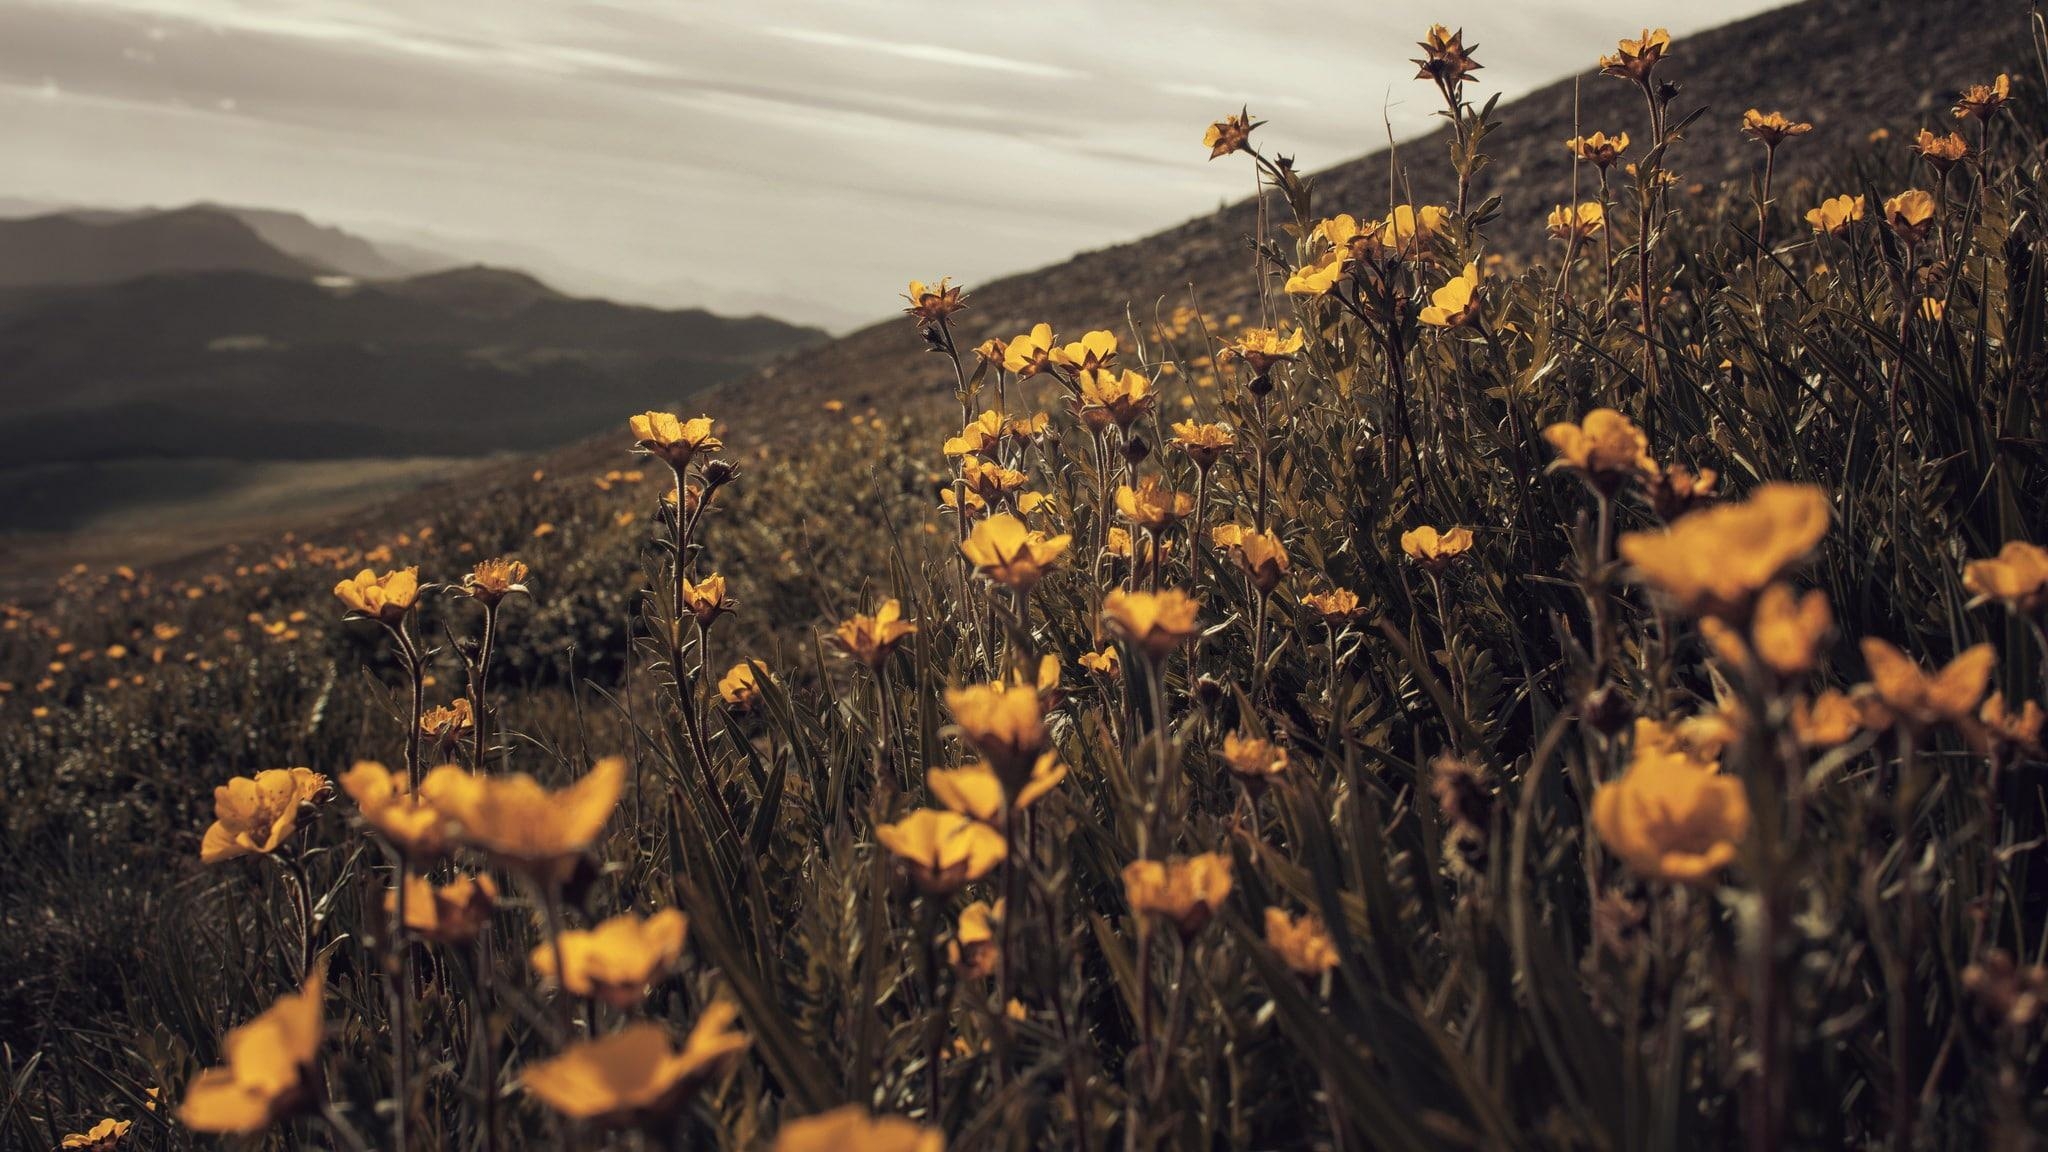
(1460, 701)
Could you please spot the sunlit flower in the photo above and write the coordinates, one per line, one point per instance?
(1456, 303)
(1336, 607)
(1911, 214)
(1319, 276)
(636, 1074)
(1204, 443)
(1671, 816)
(1185, 891)
(1230, 134)
(413, 826)
(740, 687)
(1407, 228)
(1004, 550)
(269, 1061)
(1094, 351)
(104, 1136)
(1005, 723)
(870, 639)
(1124, 395)
(1253, 757)
(1637, 59)
(1983, 101)
(1030, 354)
(1942, 153)
(445, 724)
(1771, 128)
(252, 817)
(977, 790)
(617, 960)
(1577, 222)
(1152, 505)
(1599, 149)
(1909, 694)
(386, 598)
(1431, 548)
(454, 913)
(1261, 348)
(943, 850)
(1712, 562)
(673, 438)
(977, 438)
(1264, 558)
(1302, 943)
(1445, 58)
(1155, 622)
(706, 599)
(932, 303)
(1104, 663)
(521, 823)
(2017, 577)
(1605, 449)
(493, 580)
(851, 1129)
(991, 351)
(1834, 215)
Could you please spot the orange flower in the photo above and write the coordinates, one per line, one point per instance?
(851, 1129)
(2016, 729)
(1185, 891)
(1599, 148)
(1942, 153)
(1094, 350)
(1637, 59)
(1911, 214)
(1713, 562)
(1983, 101)
(1834, 216)
(1004, 550)
(1772, 128)
(1829, 719)
(706, 599)
(978, 437)
(1319, 276)
(1301, 942)
(522, 824)
(1230, 134)
(1671, 816)
(1123, 395)
(1456, 303)
(1264, 558)
(977, 790)
(1605, 448)
(740, 687)
(932, 304)
(1577, 222)
(1906, 693)
(1253, 757)
(1434, 549)
(1005, 723)
(1445, 58)
(973, 949)
(385, 598)
(2017, 577)
(1030, 354)
(104, 1136)
(672, 438)
(871, 639)
(1152, 505)
(1786, 631)
(617, 960)
(636, 1074)
(943, 850)
(1105, 663)
(416, 828)
(1336, 607)
(269, 1061)
(1262, 348)
(1204, 443)
(253, 816)
(454, 913)
(1155, 622)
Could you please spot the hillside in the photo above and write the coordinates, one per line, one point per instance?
(74, 248)
(1847, 66)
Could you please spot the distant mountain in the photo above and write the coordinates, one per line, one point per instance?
(72, 249)
(242, 365)
(330, 247)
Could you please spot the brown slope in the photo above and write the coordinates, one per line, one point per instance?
(1848, 66)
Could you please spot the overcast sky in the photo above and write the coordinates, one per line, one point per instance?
(800, 156)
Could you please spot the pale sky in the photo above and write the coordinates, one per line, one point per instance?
(798, 156)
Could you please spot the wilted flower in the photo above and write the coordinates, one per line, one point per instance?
(454, 913)
(1004, 550)
(674, 439)
(1204, 443)
(943, 850)
(706, 599)
(1942, 153)
(1433, 549)
(1264, 558)
(2017, 577)
(1671, 816)
(636, 1074)
(932, 303)
(253, 816)
(1712, 562)
(977, 790)
(740, 687)
(1637, 59)
(1771, 128)
(1186, 891)
(522, 824)
(1030, 354)
(493, 580)
(1253, 757)
(851, 1129)
(1904, 692)
(1336, 607)
(268, 1062)
(1834, 215)
(385, 598)
(1983, 101)
(1605, 449)
(104, 1136)
(416, 828)
(1302, 942)
(1456, 303)
(1911, 214)
(1580, 222)
(1152, 505)
(1156, 622)
(1124, 395)
(1005, 723)
(617, 960)
(1230, 134)
(1445, 58)
(1599, 149)
(870, 639)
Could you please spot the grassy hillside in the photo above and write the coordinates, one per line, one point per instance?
(1439, 687)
